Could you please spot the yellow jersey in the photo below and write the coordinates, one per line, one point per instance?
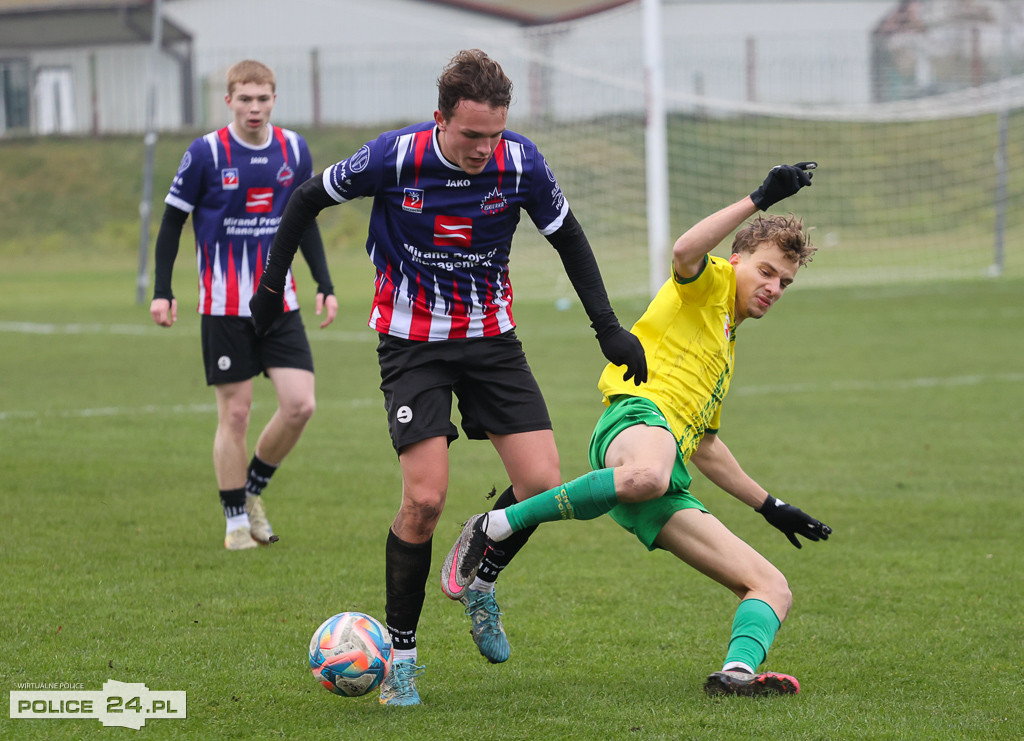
(689, 337)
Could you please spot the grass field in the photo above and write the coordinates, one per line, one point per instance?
(893, 413)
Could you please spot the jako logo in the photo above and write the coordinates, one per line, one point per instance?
(457, 184)
(259, 161)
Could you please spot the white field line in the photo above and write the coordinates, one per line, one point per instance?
(795, 388)
(42, 328)
(149, 409)
(908, 384)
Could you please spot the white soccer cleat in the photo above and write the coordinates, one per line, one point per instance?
(240, 539)
(259, 525)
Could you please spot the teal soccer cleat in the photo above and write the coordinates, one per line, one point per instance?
(399, 686)
(488, 632)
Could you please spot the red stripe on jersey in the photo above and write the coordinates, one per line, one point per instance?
(460, 317)
(420, 142)
(499, 160)
(231, 299)
(382, 303)
(419, 327)
(491, 327)
(279, 135)
(207, 279)
(225, 140)
(257, 271)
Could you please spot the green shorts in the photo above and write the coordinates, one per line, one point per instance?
(644, 519)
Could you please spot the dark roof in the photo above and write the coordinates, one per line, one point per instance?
(64, 23)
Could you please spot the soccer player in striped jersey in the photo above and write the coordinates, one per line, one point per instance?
(235, 182)
(646, 436)
(447, 198)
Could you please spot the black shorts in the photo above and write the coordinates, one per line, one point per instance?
(495, 387)
(232, 352)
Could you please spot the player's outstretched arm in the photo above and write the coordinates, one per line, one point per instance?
(618, 345)
(690, 250)
(714, 459)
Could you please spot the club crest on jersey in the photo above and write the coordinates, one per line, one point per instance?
(186, 162)
(229, 178)
(285, 176)
(259, 200)
(360, 159)
(413, 200)
(493, 204)
(453, 231)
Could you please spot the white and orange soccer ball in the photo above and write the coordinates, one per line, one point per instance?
(350, 654)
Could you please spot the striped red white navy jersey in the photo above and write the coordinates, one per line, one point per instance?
(440, 237)
(236, 194)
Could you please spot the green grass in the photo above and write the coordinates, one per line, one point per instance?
(894, 414)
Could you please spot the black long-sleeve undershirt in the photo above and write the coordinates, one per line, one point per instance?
(580, 265)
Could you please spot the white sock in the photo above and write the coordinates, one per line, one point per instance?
(479, 585)
(236, 522)
(737, 666)
(404, 654)
(496, 525)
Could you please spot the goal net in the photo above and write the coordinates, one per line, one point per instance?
(918, 190)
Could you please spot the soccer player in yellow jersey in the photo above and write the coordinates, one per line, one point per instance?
(647, 435)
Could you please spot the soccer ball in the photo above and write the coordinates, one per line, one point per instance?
(350, 654)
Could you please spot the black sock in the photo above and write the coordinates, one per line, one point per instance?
(407, 568)
(259, 476)
(233, 501)
(498, 555)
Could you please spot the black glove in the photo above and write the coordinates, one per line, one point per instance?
(793, 521)
(782, 182)
(623, 348)
(265, 307)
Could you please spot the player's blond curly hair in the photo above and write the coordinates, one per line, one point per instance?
(472, 75)
(249, 70)
(785, 231)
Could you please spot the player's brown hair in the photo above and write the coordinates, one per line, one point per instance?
(249, 70)
(787, 232)
(472, 75)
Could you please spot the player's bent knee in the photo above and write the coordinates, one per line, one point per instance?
(779, 595)
(299, 412)
(641, 484)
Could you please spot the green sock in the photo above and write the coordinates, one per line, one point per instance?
(753, 630)
(585, 498)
